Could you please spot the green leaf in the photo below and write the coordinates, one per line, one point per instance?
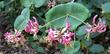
(1, 4)
(81, 31)
(26, 13)
(60, 46)
(96, 48)
(26, 3)
(22, 20)
(106, 11)
(75, 47)
(105, 7)
(40, 49)
(79, 52)
(56, 16)
(30, 39)
(20, 23)
(37, 48)
(98, 3)
(87, 42)
(38, 3)
(34, 45)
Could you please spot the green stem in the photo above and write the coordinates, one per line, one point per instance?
(35, 36)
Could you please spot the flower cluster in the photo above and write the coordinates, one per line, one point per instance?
(32, 26)
(97, 27)
(64, 36)
(14, 37)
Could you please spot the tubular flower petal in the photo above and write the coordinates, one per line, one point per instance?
(52, 34)
(32, 26)
(68, 26)
(64, 37)
(67, 37)
(99, 27)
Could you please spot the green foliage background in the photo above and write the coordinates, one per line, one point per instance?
(18, 13)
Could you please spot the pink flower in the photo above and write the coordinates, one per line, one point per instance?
(32, 26)
(67, 37)
(68, 26)
(63, 36)
(52, 34)
(99, 27)
(66, 41)
(11, 37)
(55, 35)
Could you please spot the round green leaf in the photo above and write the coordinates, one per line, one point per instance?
(96, 48)
(1, 4)
(105, 7)
(22, 20)
(75, 47)
(98, 3)
(40, 49)
(37, 47)
(87, 42)
(81, 31)
(26, 12)
(56, 16)
(26, 3)
(20, 23)
(38, 3)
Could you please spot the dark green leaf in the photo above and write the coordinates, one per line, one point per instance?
(37, 48)
(87, 42)
(26, 3)
(105, 7)
(98, 3)
(81, 31)
(96, 48)
(1, 4)
(71, 50)
(40, 49)
(106, 11)
(38, 3)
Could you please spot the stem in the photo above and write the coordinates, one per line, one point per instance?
(35, 36)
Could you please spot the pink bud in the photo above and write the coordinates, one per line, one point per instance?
(94, 20)
(68, 26)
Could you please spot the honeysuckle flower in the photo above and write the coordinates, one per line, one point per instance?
(64, 36)
(32, 26)
(52, 34)
(68, 26)
(97, 27)
(15, 37)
